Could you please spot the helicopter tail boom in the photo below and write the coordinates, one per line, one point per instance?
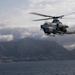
(70, 32)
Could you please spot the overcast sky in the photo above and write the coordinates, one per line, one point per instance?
(15, 13)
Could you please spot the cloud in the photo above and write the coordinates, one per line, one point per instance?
(21, 32)
(21, 16)
(70, 46)
(35, 1)
(6, 37)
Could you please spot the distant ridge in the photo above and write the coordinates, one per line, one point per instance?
(34, 49)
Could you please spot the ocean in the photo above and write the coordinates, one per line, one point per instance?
(38, 68)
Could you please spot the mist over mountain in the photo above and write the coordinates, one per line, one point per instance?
(16, 33)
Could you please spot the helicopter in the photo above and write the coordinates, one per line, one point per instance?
(54, 27)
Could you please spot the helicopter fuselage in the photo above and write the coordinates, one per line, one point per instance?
(54, 28)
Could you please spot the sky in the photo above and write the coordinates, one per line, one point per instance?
(16, 13)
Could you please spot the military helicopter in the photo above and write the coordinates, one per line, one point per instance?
(54, 27)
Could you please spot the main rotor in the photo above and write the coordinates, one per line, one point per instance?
(49, 17)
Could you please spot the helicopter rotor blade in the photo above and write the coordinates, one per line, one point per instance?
(50, 17)
(40, 14)
(69, 18)
(42, 19)
(58, 17)
(69, 14)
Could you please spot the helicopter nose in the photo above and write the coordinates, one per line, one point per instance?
(42, 27)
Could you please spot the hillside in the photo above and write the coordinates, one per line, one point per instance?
(32, 49)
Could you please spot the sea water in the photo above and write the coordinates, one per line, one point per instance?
(38, 68)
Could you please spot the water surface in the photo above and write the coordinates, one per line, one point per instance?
(38, 68)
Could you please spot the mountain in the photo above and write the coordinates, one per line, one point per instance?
(72, 56)
(34, 49)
